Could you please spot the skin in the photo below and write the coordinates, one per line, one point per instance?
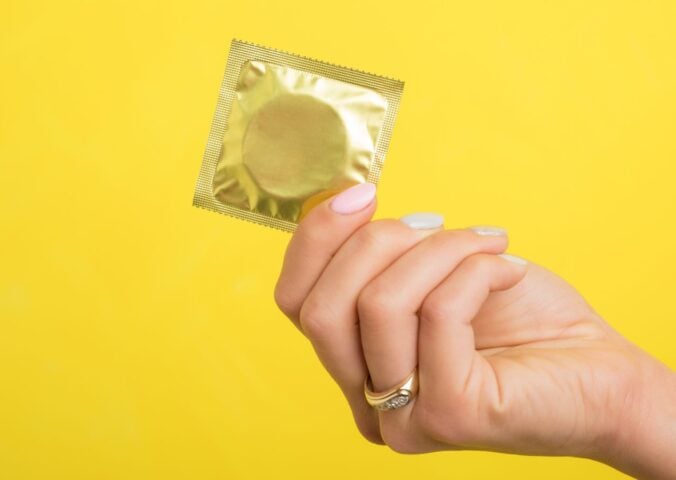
(510, 357)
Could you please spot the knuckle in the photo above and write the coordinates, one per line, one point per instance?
(437, 309)
(314, 318)
(479, 263)
(284, 301)
(375, 304)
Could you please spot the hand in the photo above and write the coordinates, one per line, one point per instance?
(510, 357)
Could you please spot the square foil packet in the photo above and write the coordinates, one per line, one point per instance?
(289, 132)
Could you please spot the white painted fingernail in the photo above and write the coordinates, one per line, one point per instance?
(488, 230)
(514, 259)
(423, 220)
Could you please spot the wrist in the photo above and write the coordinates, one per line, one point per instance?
(642, 441)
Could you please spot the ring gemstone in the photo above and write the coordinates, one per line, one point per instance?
(396, 402)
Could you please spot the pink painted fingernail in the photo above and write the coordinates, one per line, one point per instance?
(354, 198)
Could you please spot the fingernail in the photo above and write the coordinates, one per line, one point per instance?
(354, 198)
(514, 259)
(488, 230)
(423, 220)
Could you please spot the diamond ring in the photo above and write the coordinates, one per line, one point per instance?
(396, 397)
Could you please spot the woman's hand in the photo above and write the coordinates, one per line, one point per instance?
(510, 357)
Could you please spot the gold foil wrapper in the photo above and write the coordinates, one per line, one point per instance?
(289, 132)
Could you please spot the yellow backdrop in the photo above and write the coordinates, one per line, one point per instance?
(138, 334)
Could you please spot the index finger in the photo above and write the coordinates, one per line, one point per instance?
(318, 237)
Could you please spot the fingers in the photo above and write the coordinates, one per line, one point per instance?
(318, 236)
(446, 340)
(388, 306)
(329, 314)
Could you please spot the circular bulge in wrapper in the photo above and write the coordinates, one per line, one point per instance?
(302, 133)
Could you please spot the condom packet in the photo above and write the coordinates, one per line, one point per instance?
(289, 132)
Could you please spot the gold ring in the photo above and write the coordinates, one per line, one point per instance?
(395, 397)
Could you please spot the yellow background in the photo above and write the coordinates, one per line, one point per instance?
(138, 334)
